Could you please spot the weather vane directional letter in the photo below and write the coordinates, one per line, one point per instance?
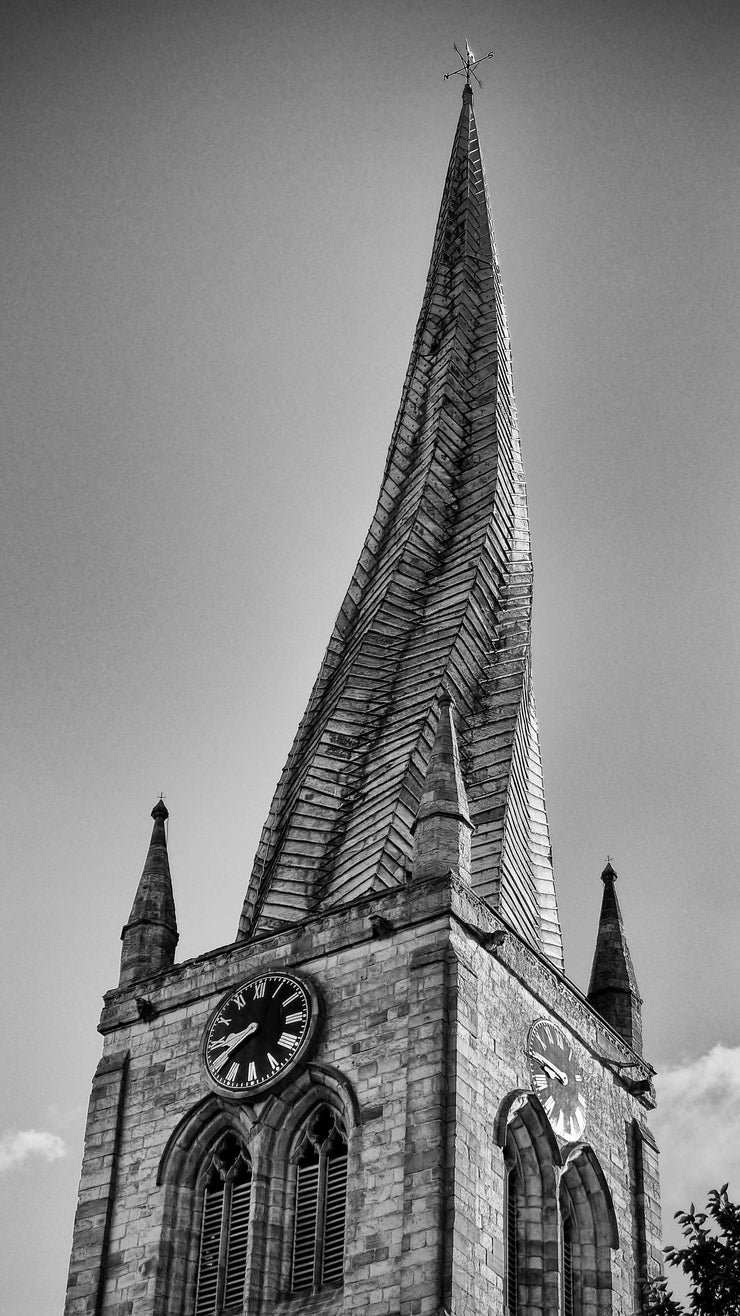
(468, 64)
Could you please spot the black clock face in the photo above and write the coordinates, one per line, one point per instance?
(556, 1079)
(258, 1032)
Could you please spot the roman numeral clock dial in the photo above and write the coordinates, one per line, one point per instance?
(259, 1032)
(556, 1079)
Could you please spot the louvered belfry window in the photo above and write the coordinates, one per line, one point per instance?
(568, 1304)
(321, 1203)
(222, 1261)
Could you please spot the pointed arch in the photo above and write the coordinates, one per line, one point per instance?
(226, 1200)
(533, 1114)
(269, 1136)
(285, 1111)
(311, 1164)
(594, 1200)
(212, 1193)
(189, 1143)
(589, 1234)
(319, 1215)
(532, 1162)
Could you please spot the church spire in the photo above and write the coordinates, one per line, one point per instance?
(441, 596)
(150, 936)
(613, 986)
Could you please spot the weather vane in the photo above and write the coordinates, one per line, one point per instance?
(468, 64)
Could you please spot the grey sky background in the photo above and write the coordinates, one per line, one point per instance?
(216, 220)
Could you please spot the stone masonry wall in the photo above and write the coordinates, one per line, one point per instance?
(501, 992)
(423, 1035)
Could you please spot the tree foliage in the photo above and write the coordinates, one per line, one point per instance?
(710, 1258)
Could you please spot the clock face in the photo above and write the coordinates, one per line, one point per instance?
(259, 1032)
(556, 1079)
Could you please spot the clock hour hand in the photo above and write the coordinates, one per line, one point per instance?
(550, 1068)
(231, 1043)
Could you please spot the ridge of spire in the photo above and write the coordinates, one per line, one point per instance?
(150, 935)
(613, 990)
(441, 596)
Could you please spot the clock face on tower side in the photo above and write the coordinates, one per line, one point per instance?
(259, 1032)
(556, 1079)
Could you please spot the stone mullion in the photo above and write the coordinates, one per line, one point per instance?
(223, 1243)
(318, 1247)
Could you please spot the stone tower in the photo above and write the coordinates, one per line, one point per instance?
(385, 1097)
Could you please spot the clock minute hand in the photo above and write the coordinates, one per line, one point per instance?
(550, 1068)
(232, 1042)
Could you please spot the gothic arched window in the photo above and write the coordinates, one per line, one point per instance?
(559, 1223)
(589, 1233)
(320, 1202)
(531, 1271)
(224, 1231)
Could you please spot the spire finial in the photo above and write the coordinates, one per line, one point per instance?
(468, 64)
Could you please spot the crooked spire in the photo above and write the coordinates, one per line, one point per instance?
(613, 986)
(441, 596)
(150, 936)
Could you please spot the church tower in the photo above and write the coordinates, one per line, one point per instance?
(385, 1097)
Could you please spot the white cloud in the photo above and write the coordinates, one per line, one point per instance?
(15, 1148)
(697, 1126)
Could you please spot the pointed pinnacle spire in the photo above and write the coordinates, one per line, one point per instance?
(441, 596)
(613, 986)
(150, 936)
(443, 830)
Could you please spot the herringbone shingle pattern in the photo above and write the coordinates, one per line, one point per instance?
(441, 598)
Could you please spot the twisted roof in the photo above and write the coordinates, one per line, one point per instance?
(440, 601)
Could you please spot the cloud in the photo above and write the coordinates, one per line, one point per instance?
(15, 1148)
(696, 1125)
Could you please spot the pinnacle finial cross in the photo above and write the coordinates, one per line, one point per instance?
(468, 64)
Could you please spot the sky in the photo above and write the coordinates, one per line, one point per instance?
(216, 220)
